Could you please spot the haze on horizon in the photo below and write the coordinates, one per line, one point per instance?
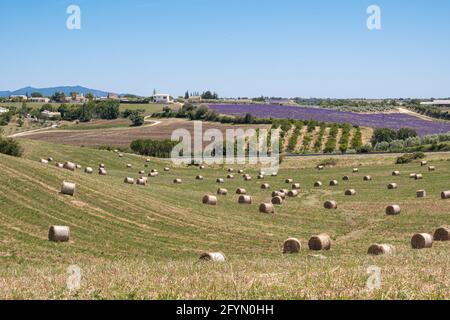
(238, 48)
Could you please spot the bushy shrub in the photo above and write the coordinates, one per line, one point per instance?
(409, 157)
(382, 146)
(413, 142)
(396, 146)
(364, 149)
(10, 147)
(153, 148)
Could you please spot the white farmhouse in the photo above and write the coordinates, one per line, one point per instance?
(3, 110)
(23, 97)
(39, 99)
(162, 98)
(50, 115)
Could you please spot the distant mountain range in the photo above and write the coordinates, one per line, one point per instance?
(47, 92)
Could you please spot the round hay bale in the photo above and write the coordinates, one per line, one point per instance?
(70, 166)
(412, 175)
(68, 188)
(141, 181)
(333, 183)
(120, 155)
(245, 199)
(285, 191)
(167, 169)
(212, 256)
(247, 178)
(350, 192)
(280, 194)
(396, 173)
(102, 171)
(59, 234)
(431, 168)
(277, 200)
(296, 186)
(60, 165)
(367, 178)
(291, 245)
(241, 191)
(288, 181)
(220, 180)
(240, 171)
(266, 208)
(442, 234)
(329, 204)
(274, 174)
(262, 172)
(292, 193)
(230, 170)
(345, 178)
(222, 191)
(177, 181)
(49, 159)
(260, 176)
(78, 166)
(101, 165)
(423, 163)
(128, 180)
(147, 160)
(43, 161)
(393, 209)
(202, 167)
(144, 178)
(209, 200)
(141, 172)
(230, 176)
(418, 176)
(421, 193)
(154, 170)
(153, 174)
(265, 186)
(317, 184)
(445, 194)
(320, 242)
(392, 186)
(378, 249)
(355, 170)
(320, 167)
(422, 241)
(89, 170)
(128, 165)
(199, 177)
(116, 151)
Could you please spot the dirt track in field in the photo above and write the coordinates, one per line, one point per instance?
(122, 137)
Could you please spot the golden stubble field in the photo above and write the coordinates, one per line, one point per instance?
(133, 242)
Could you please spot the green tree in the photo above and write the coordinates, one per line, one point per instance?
(383, 134)
(137, 119)
(89, 96)
(36, 95)
(405, 133)
(58, 97)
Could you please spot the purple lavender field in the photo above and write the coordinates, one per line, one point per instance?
(375, 120)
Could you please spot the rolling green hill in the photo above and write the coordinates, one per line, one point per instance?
(143, 242)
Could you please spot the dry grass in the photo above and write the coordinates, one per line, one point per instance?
(143, 243)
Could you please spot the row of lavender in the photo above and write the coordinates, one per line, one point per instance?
(377, 120)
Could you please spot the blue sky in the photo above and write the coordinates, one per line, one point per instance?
(319, 48)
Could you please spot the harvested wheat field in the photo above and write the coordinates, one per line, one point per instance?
(135, 242)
